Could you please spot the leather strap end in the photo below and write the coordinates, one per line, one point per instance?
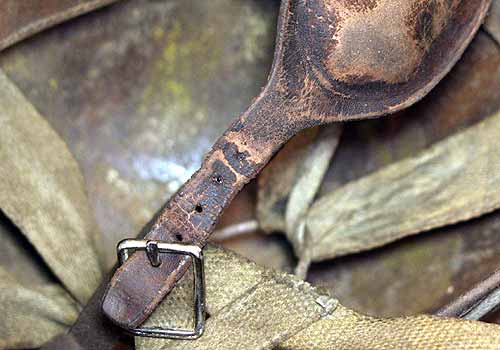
(137, 288)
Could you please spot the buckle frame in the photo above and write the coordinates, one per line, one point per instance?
(153, 249)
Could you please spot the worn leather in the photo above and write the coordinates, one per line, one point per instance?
(301, 92)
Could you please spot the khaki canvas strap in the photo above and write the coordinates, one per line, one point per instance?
(255, 308)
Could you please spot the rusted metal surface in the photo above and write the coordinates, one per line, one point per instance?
(303, 90)
(140, 90)
(21, 19)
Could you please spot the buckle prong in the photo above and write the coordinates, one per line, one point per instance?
(153, 250)
(153, 253)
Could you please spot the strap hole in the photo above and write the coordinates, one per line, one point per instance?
(198, 209)
(218, 179)
(178, 237)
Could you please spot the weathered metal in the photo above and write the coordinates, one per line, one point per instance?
(21, 19)
(334, 61)
(84, 77)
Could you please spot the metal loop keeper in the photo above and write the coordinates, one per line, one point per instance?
(153, 250)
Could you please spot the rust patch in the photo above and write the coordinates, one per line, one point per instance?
(361, 5)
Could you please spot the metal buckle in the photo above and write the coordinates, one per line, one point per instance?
(153, 249)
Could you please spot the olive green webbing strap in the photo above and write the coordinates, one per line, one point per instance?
(346, 329)
(254, 308)
(43, 205)
(250, 307)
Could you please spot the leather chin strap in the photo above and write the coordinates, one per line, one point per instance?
(297, 96)
(190, 216)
